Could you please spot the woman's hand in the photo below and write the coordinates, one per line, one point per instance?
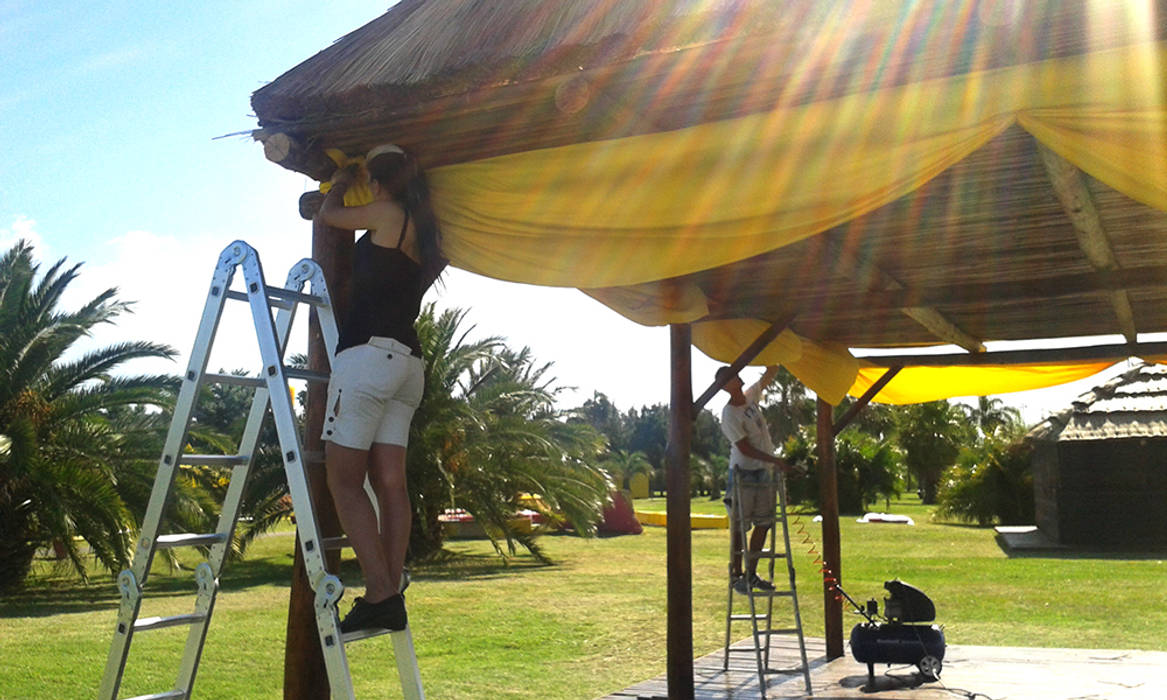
(344, 176)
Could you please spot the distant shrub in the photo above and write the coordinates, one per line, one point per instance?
(992, 483)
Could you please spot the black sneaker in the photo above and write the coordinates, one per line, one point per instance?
(388, 614)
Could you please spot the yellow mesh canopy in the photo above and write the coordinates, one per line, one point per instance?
(616, 217)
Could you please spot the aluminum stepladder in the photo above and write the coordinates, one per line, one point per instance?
(271, 388)
(760, 615)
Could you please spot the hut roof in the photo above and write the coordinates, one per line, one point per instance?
(1012, 240)
(1132, 405)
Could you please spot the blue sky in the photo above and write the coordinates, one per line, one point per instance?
(119, 126)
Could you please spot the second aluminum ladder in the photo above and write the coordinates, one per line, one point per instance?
(760, 604)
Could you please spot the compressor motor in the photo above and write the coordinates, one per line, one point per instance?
(892, 639)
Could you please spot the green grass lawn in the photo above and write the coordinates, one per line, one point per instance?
(591, 623)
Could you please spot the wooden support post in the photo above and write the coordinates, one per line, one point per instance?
(680, 564)
(305, 676)
(829, 495)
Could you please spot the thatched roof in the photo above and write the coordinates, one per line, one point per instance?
(1012, 243)
(466, 79)
(1132, 405)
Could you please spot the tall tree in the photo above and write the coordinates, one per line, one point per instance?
(786, 406)
(993, 417)
(931, 436)
(487, 432)
(600, 413)
(76, 459)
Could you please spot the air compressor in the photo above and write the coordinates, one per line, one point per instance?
(891, 638)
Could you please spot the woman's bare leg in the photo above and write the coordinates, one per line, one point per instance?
(387, 475)
(346, 469)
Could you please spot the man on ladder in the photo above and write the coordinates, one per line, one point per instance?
(756, 495)
(750, 457)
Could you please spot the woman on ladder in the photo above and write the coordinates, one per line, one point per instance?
(378, 374)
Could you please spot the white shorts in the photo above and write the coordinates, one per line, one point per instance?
(372, 394)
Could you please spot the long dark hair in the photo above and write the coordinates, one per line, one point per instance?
(401, 176)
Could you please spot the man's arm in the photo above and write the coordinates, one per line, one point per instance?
(749, 450)
(754, 392)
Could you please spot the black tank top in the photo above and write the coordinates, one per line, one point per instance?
(387, 288)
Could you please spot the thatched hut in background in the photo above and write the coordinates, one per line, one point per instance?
(1100, 466)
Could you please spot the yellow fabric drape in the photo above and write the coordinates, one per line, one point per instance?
(616, 217)
(917, 384)
(649, 207)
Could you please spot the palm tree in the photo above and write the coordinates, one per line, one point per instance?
(931, 435)
(77, 452)
(992, 416)
(487, 431)
(625, 465)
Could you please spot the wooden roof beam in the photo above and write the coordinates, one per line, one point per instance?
(1075, 197)
(928, 317)
(958, 295)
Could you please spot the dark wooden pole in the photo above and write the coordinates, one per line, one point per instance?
(680, 563)
(829, 495)
(305, 676)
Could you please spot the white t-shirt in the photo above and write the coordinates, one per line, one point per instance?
(746, 421)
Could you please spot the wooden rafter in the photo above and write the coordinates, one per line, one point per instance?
(931, 319)
(1075, 197)
(963, 294)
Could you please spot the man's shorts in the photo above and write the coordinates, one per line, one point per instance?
(758, 497)
(372, 394)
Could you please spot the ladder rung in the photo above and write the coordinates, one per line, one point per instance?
(188, 540)
(154, 623)
(779, 630)
(306, 374)
(280, 297)
(160, 696)
(214, 460)
(289, 372)
(772, 594)
(747, 617)
(767, 554)
(742, 650)
(334, 542)
(233, 379)
(363, 634)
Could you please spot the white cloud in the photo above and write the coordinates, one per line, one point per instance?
(168, 281)
(24, 228)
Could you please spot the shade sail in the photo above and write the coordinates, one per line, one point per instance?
(626, 219)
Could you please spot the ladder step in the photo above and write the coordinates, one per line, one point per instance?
(329, 543)
(280, 297)
(747, 617)
(363, 634)
(306, 374)
(155, 623)
(233, 379)
(214, 460)
(766, 554)
(773, 594)
(778, 630)
(178, 694)
(188, 540)
(289, 372)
